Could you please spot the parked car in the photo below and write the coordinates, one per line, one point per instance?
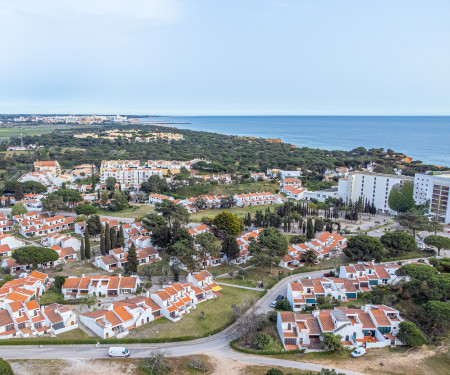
(273, 304)
(358, 352)
(280, 297)
(325, 275)
(118, 351)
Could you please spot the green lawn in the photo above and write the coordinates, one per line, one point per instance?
(29, 130)
(218, 313)
(256, 275)
(75, 334)
(238, 211)
(137, 211)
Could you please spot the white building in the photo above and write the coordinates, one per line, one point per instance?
(373, 187)
(321, 195)
(433, 187)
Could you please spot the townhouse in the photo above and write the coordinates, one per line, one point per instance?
(62, 240)
(12, 241)
(371, 326)
(101, 285)
(5, 251)
(26, 319)
(243, 242)
(291, 181)
(24, 289)
(158, 198)
(7, 201)
(303, 293)
(325, 245)
(294, 192)
(255, 199)
(33, 224)
(116, 258)
(197, 229)
(366, 275)
(117, 319)
(65, 254)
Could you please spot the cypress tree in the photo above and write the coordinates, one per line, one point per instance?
(131, 265)
(82, 251)
(310, 233)
(113, 237)
(102, 242)
(107, 238)
(121, 238)
(87, 245)
(92, 179)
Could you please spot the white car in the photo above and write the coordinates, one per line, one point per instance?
(118, 351)
(358, 352)
(273, 304)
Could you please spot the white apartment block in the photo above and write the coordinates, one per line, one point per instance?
(373, 187)
(128, 173)
(433, 188)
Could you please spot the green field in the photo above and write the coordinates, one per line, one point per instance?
(218, 313)
(29, 130)
(238, 211)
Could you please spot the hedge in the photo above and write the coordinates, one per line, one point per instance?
(234, 345)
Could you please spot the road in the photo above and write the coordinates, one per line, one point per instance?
(218, 344)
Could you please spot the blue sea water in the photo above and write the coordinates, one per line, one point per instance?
(423, 138)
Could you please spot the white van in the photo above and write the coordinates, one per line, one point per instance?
(118, 351)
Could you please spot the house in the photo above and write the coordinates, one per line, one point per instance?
(294, 192)
(12, 241)
(291, 181)
(371, 326)
(36, 225)
(158, 198)
(201, 228)
(6, 224)
(51, 166)
(204, 281)
(24, 289)
(62, 240)
(80, 227)
(303, 293)
(243, 242)
(65, 254)
(117, 319)
(13, 266)
(366, 275)
(110, 286)
(256, 199)
(321, 195)
(5, 251)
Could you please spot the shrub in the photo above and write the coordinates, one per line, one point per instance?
(262, 339)
(156, 364)
(274, 371)
(283, 305)
(197, 363)
(5, 368)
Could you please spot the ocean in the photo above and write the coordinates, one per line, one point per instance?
(423, 138)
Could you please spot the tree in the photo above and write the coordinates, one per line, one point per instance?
(155, 364)
(33, 187)
(5, 368)
(364, 247)
(104, 198)
(230, 246)
(283, 305)
(439, 242)
(309, 257)
(59, 282)
(149, 270)
(261, 340)
(113, 237)
(121, 237)
(52, 203)
(107, 238)
(94, 225)
(102, 242)
(228, 222)
(227, 202)
(410, 335)
(319, 223)
(270, 246)
(298, 239)
(110, 183)
(171, 211)
(85, 209)
(310, 233)
(131, 265)
(439, 314)
(208, 245)
(413, 219)
(401, 197)
(199, 203)
(34, 255)
(18, 209)
(87, 245)
(420, 272)
(274, 371)
(82, 251)
(18, 192)
(332, 342)
(398, 243)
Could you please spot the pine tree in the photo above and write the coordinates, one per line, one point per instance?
(107, 238)
(87, 245)
(113, 236)
(82, 251)
(131, 265)
(102, 242)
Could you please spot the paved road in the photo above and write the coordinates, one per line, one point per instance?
(119, 219)
(217, 344)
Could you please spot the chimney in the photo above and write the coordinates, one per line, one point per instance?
(147, 294)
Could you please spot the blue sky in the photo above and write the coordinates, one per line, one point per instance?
(211, 57)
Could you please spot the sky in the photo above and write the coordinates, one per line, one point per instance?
(211, 57)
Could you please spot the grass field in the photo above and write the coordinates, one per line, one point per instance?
(240, 212)
(138, 211)
(29, 130)
(218, 313)
(255, 275)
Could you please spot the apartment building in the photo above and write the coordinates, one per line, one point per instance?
(128, 173)
(372, 326)
(52, 167)
(33, 224)
(433, 188)
(372, 187)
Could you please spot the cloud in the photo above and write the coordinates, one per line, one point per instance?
(158, 10)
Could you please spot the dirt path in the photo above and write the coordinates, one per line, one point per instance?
(225, 366)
